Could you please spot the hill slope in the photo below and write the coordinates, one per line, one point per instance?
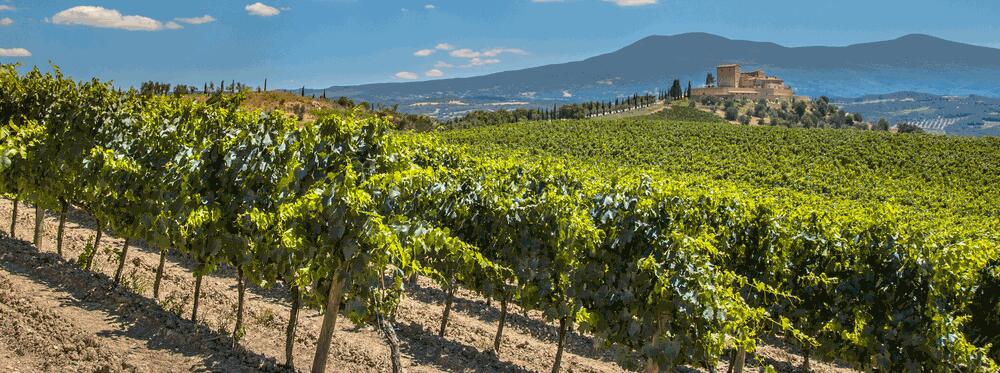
(913, 62)
(961, 115)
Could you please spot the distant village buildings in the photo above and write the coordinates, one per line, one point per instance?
(752, 85)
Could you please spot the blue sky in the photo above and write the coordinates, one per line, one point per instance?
(319, 43)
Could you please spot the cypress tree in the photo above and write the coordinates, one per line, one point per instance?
(675, 89)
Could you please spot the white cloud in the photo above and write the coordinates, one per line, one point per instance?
(14, 52)
(406, 75)
(546, 1)
(430, 7)
(484, 57)
(465, 53)
(497, 51)
(632, 2)
(435, 73)
(444, 47)
(480, 61)
(197, 20)
(6, 21)
(443, 65)
(494, 52)
(95, 16)
(423, 52)
(567, 94)
(6, 8)
(262, 10)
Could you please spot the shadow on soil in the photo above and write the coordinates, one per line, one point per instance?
(140, 318)
(575, 343)
(427, 348)
(144, 318)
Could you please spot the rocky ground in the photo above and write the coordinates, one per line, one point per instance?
(57, 317)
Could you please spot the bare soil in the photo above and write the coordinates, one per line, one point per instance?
(55, 316)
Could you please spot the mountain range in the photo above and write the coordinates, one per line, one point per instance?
(918, 63)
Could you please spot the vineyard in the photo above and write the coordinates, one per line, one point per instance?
(671, 243)
(939, 193)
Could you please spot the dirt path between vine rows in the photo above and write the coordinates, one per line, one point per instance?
(57, 317)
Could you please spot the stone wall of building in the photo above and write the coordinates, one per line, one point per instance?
(728, 76)
(753, 85)
(751, 93)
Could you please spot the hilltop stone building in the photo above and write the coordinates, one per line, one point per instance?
(753, 85)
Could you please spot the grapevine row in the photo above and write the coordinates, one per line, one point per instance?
(343, 212)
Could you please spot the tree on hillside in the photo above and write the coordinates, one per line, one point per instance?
(345, 102)
(732, 113)
(883, 125)
(154, 89)
(710, 80)
(908, 128)
(688, 92)
(800, 109)
(182, 89)
(675, 90)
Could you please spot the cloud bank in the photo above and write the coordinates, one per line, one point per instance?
(100, 17)
(14, 52)
(95, 16)
(262, 10)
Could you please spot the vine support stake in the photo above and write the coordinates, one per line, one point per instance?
(563, 325)
(159, 274)
(13, 220)
(498, 340)
(39, 226)
(447, 309)
(97, 245)
(329, 323)
(290, 330)
(197, 297)
(390, 336)
(241, 288)
(64, 206)
(121, 263)
(740, 360)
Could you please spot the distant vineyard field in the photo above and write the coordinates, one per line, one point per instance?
(942, 186)
(939, 178)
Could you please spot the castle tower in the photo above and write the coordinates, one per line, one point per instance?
(728, 76)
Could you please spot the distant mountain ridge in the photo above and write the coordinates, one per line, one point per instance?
(910, 63)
